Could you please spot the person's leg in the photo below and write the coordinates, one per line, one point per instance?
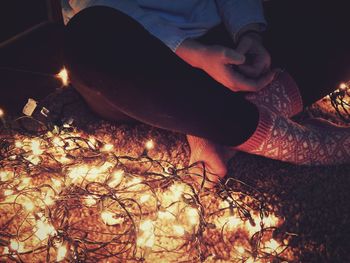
(311, 39)
(116, 58)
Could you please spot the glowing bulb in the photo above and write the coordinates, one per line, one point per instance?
(116, 178)
(147, 225)
(61, 252)
(8, 192)
(109, 219)
(240, 249)
(2, 113)
(192, 216)
(147, 238)
(272, 244)
(144, 198)
(108, 147)
(149, 145)
(90, 201)
(35, 147)
(343, 86)
(233, 222)
(17, 246)
(4, 176)
(49, 200)
(18, 144)
(44, 229)
(56, 183)
(177, 191)
(179, 230)
(63, 76)
(29, 206)
(58, 142)
(165, 215)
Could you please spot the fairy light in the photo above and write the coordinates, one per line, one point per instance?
(144, 198)
(63, 76)
(179, 230)
(8, 192)
(192, 216)
(110, 219)
(16, 245)
(343, 86)
(29, 206)
(340, 101)
(90, 201)
(44, 229)
(147, 238)
(35, 147)
(108, 147)
(2, 116)
(116, 178)
(107, 201)
(149, 145)
(61, 253)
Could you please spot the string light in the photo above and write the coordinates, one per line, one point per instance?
(2, 116)
(340, 100)
(99, 201)
(63, 76)
(61, 253)
(149, 145)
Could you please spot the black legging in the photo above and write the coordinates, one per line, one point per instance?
(118, 66)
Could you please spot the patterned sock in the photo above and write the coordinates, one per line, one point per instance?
(281, 96)
(279, 138)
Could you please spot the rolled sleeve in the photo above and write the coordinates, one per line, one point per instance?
(236, 14)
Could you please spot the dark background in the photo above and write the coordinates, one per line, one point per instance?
(37, 51)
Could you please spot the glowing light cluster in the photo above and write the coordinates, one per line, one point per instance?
(68, 196)
(63, 76)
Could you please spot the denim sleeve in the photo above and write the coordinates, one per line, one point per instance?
(170, 35)
(238, 13)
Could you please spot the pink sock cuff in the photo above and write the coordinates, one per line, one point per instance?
(262, 132)
(292, 91)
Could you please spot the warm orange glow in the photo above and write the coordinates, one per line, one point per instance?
(343, 86)
(102, 198)
(63, 76)
(149, 145)
(61, 253)
(110, 219)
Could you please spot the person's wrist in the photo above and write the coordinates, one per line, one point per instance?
(257, 36)
(253, 28)
(191, 52)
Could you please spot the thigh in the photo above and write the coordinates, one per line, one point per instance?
(311, 40)
(115, 56)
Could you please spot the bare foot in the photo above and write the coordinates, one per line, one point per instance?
(213, 156)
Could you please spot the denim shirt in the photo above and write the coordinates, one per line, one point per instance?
(173, 21)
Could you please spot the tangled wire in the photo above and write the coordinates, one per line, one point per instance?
(67, 196)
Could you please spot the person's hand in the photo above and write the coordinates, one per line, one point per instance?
(258, 60)
(221, 64)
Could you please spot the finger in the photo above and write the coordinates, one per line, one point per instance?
(250, 70)
(244, 46)
(259, 66)
(233, 57)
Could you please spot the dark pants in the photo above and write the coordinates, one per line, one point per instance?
(122, 71)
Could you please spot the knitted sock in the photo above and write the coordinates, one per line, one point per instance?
(278, 137)
(214, 156)
(281, 96)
